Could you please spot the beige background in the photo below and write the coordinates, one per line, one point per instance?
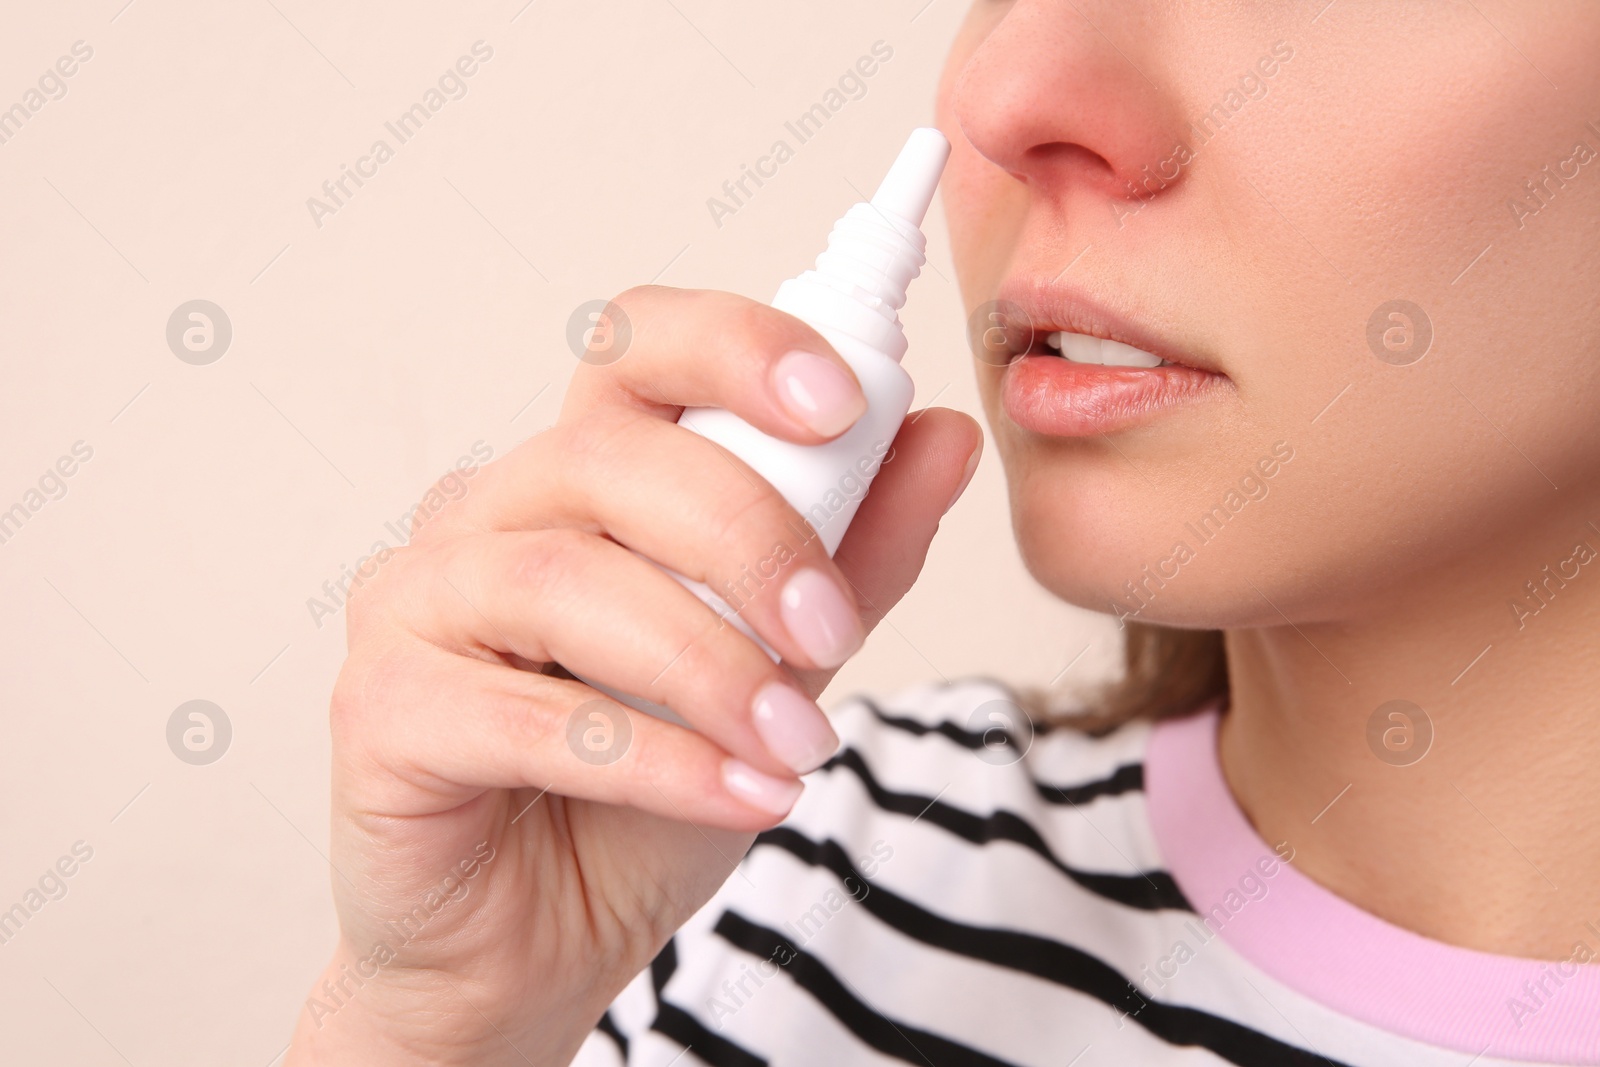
(368, 354)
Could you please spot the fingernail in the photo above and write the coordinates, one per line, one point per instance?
(820, 619)
(966, 479)
(818, 392)
(793, 728)
(760, 790)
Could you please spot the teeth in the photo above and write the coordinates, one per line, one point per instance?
(1081, 348)
(1117, 354)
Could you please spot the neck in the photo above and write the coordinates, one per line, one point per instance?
(1489, 839)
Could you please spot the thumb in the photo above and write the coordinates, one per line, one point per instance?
(883, 550)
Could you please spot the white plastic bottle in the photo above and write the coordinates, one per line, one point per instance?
(851, 298)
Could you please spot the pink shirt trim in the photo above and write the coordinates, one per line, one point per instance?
(1338, 955)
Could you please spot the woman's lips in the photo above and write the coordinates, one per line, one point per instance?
(1086, 366)
(1055, 396)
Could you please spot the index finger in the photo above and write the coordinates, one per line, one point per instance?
(706, 348)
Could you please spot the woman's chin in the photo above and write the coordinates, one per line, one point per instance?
(1165, 582)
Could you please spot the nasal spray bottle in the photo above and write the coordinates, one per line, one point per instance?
(851, 298)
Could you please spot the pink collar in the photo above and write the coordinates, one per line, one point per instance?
(1340, 956)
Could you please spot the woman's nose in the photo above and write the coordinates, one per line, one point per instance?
(1062, 96)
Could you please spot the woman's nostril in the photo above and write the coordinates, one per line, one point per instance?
(1068, 157)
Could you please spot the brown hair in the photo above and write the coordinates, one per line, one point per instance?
(1167, 672)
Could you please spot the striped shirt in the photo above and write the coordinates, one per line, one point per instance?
(1061, 899)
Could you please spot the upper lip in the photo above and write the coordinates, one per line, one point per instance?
(1050, 305)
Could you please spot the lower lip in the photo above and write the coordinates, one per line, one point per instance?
(1055, 396)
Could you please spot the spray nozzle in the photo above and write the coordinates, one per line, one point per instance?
(873, 253)
(907, 190)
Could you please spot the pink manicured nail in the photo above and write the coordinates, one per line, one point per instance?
(817, 392)
(820, 619)
(761, 790)
(793, 728)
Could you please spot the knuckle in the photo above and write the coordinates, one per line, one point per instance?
(364, 683)
(719, 655)
(746, 518)
(535, 712)
(604, 431)
(748, 327)
(497, 486)
(373, 698)
(760, 546)
(548, 565)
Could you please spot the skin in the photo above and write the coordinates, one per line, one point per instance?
(1377, 164)
(1380, 562)
(453, 773)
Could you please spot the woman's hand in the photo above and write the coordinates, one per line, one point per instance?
(504, 861)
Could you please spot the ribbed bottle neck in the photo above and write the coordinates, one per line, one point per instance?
(859, 283)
